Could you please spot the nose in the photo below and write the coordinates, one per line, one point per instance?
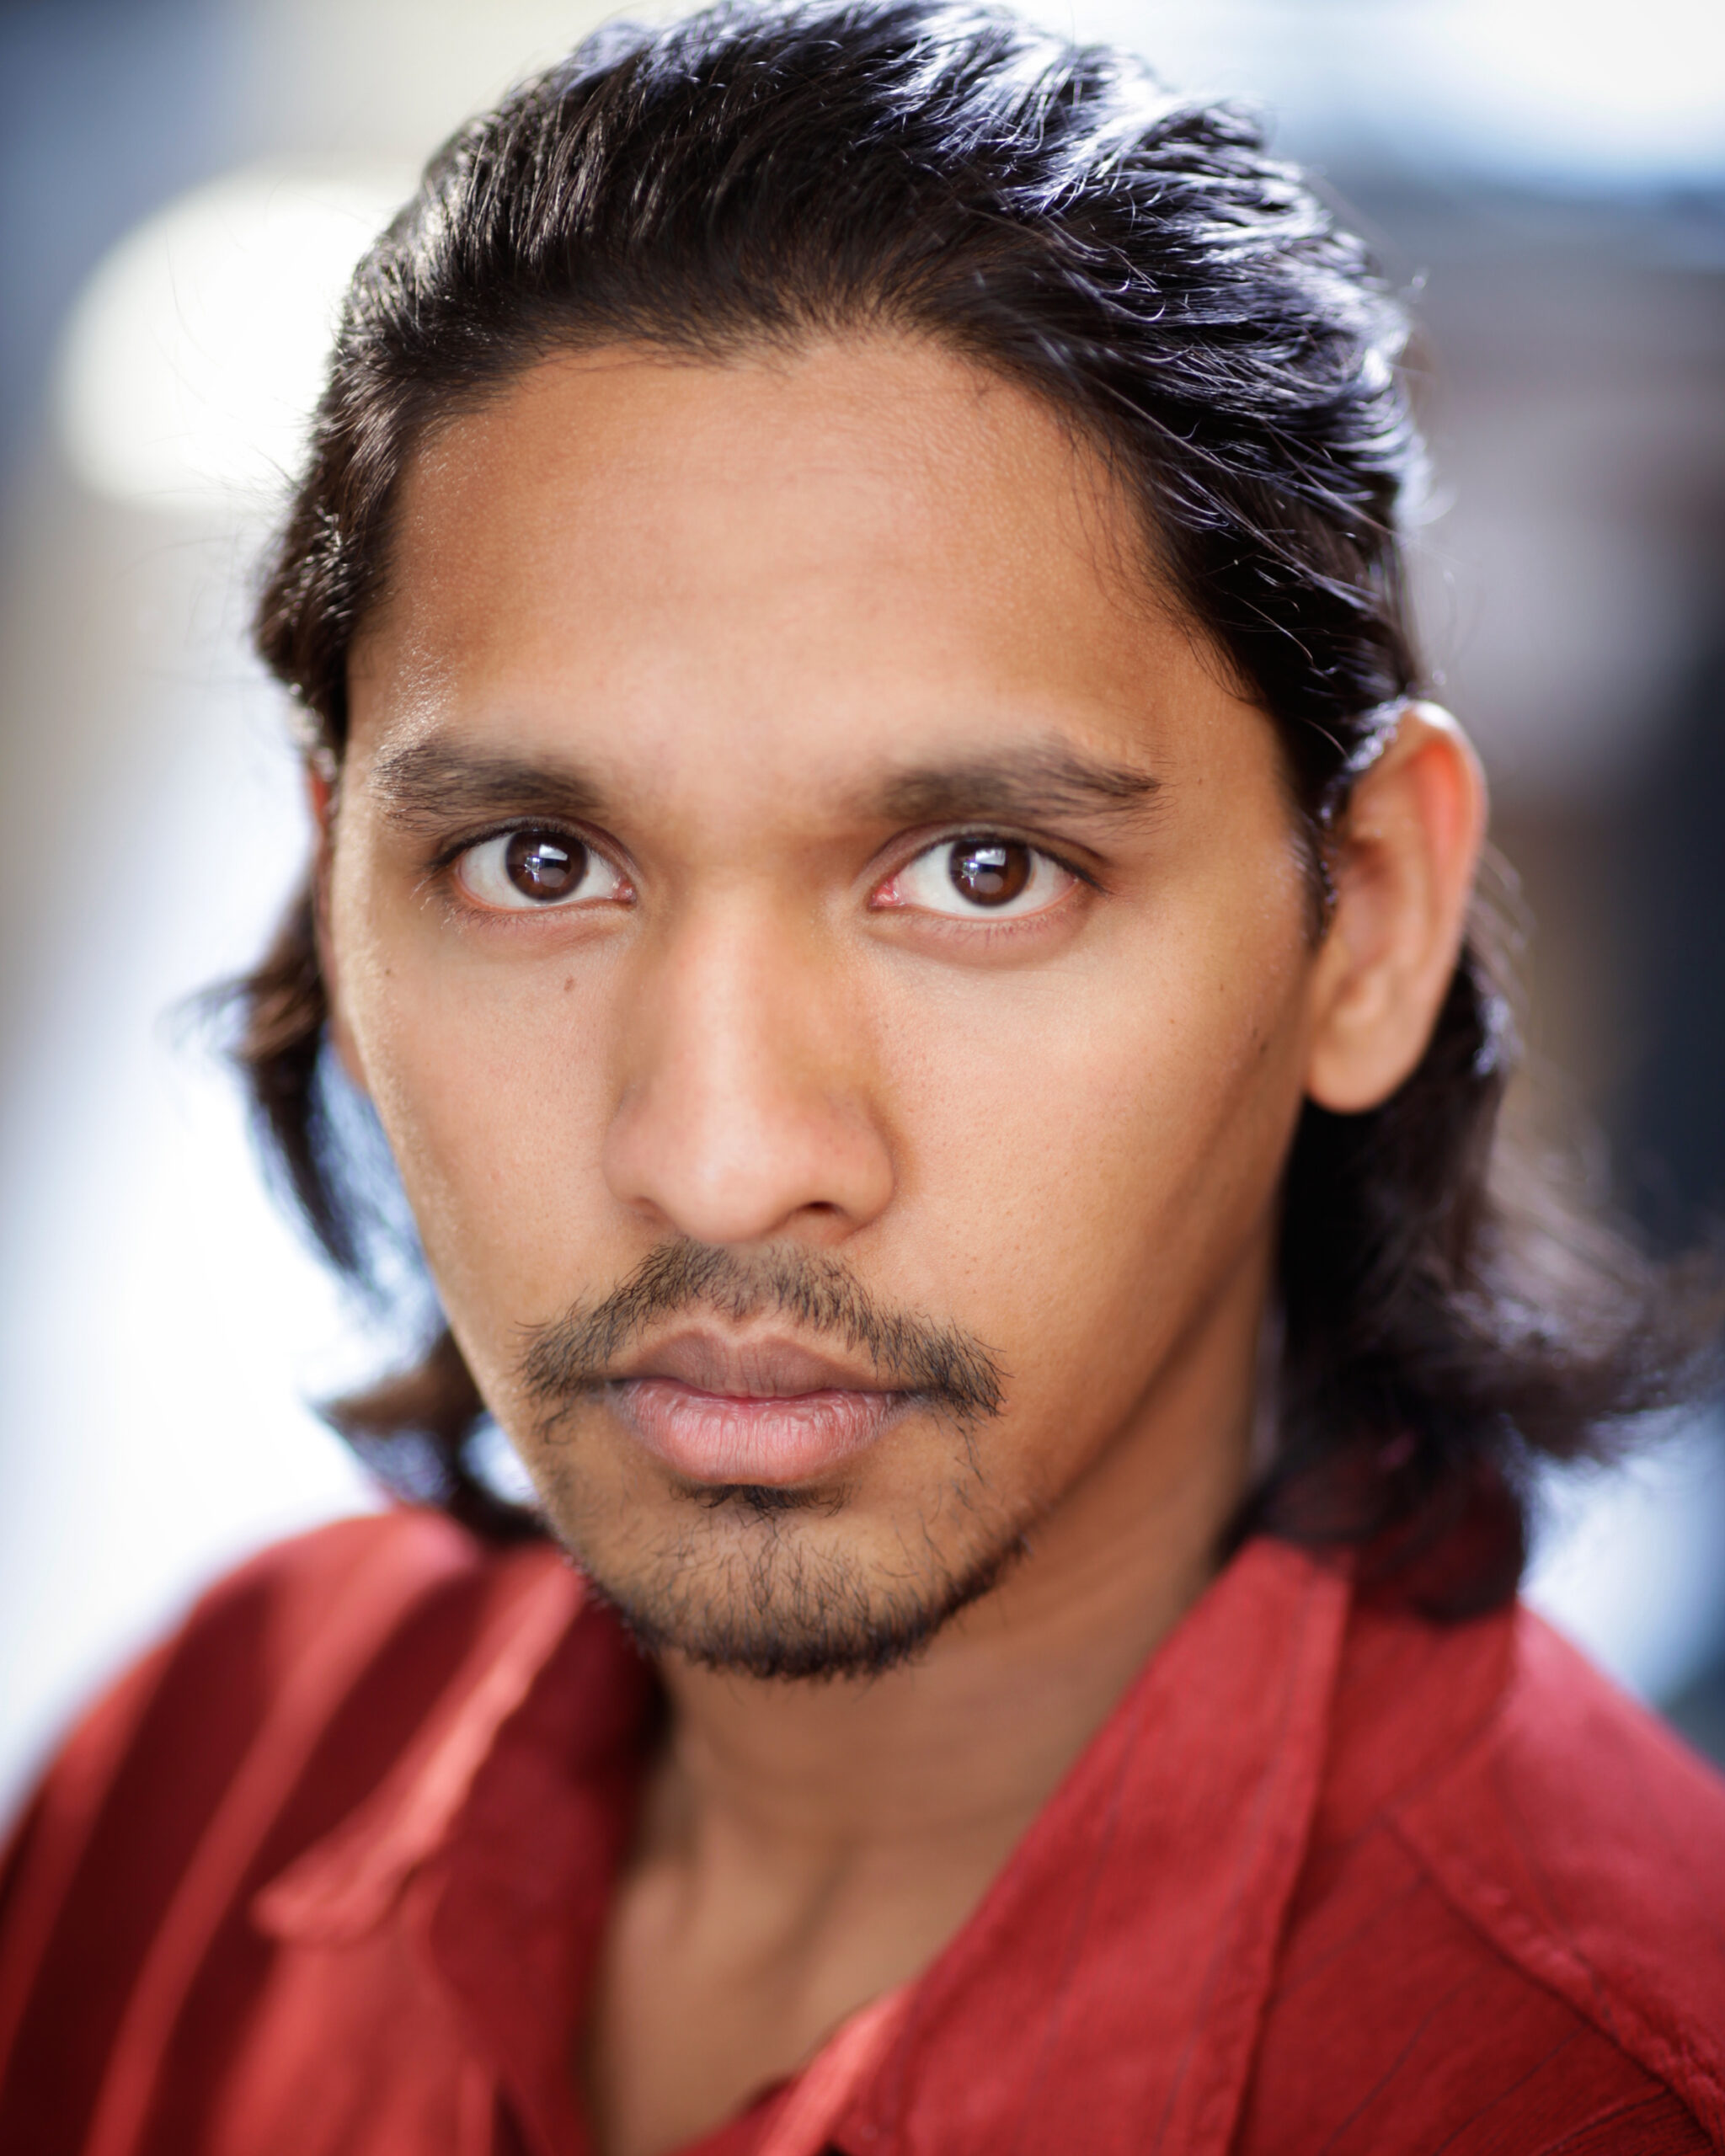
(745, 1109)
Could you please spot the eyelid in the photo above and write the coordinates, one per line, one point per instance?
(1064, 855)
(449, 850)
(969, 919)
(445, 868)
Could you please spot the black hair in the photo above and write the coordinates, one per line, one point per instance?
(1137, 259)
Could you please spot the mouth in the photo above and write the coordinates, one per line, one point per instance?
(767, 1412)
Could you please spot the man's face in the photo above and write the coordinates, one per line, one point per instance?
(830, 952)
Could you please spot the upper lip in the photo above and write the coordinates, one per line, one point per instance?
(765, 1369)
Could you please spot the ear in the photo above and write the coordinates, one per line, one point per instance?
(1403, 868)
(322, 795)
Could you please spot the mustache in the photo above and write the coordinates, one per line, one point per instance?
(572, 1355)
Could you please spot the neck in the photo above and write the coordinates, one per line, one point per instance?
(805, 1847)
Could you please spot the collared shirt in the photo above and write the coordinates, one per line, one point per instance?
(328, 1874)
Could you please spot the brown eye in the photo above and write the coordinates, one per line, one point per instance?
(531, 872)
(990, 871)
(544, 868)
(972, 878)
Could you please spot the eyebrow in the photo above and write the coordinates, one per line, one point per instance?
(423, 783)
(1018, 786)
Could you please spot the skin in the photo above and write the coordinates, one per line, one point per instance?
(739, 604)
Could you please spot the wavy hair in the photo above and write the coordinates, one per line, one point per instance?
(1190, 305)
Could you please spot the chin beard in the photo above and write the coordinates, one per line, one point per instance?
(783, 1610)
(752, 1579)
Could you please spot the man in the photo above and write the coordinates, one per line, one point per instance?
(880, 869)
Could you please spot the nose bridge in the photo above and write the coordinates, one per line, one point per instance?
(743, 1102)
(737, 1009)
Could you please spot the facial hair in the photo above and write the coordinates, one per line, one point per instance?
(767, 1603)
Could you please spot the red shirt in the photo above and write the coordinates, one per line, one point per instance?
(327, 1874)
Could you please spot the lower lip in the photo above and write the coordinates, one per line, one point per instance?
(715, 1436)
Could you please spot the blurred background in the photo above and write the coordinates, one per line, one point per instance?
(183, 185)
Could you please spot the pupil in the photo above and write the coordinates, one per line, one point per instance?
(989, 872)
(543, 867)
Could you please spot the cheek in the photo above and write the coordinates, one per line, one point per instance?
(1098, 1157)
(1081, 1151)
(488, 1085)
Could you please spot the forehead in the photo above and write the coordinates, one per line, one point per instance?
(822, 554)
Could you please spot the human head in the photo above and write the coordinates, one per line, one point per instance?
(1184, 308)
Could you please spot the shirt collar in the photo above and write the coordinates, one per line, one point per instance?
(347, 1882)
(1106, 1993)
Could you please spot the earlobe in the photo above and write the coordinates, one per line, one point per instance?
(1403, 866)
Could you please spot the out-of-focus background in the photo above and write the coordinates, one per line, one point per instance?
(183, 184)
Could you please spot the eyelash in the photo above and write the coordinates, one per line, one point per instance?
(983, 834)
(992, 927)
(451, 849)
(439, 877)
(441, 867)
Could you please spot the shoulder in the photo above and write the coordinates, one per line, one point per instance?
(296, 1590)
(1587, 1844)
(293, 1629)
(1514, 1907)
(284, 1699)
(312, 1632)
